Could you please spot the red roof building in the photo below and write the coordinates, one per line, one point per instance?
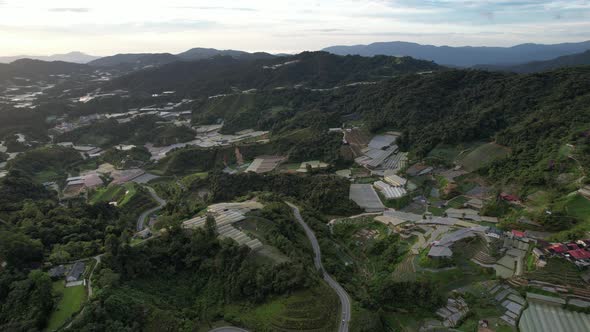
(579, 254)
(510, 198)
(572, 246)
(557, 248)
(518, 233)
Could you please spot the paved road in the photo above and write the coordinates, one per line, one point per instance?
(228, 329)
(344, 298)
(97, 258)
(145, 214)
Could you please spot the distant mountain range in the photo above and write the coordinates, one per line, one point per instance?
(466, 56)
(581, 59)
(157, 59)
(74, 57)
(37, 69)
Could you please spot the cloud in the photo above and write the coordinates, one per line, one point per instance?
(69, 10)
(239, 9)
(488, 14)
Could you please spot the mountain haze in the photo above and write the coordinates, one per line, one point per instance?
(466, 56)
(74, 57)
(582, 59)
(157, 59)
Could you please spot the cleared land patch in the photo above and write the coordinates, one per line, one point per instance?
(482, 156)
(71, 299)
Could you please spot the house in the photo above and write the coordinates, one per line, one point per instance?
(57, 272)
(557, 248)
(579, 254)
(76, 272)
(539, 258)
(518, 234)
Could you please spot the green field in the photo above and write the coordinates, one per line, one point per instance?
(111, 193)
(70, 302)
(449, 153)
(578, 206)
(315, 309)
(482, 156)
(121, 194)
(457, 202)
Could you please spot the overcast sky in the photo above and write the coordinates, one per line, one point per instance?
(101, 27)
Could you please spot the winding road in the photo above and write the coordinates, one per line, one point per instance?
(145, 214)
(344, 298)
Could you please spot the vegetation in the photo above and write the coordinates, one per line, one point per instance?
(189, 278)
(70, 302)
(139, 131)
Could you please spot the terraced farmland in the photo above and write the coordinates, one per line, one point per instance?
(558, 271)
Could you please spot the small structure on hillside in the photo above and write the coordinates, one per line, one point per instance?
(314, 164)
(265, 164)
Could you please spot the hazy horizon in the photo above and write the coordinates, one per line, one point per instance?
(33, 27)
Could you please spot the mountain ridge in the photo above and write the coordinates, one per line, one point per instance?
(580, 59)
(73, 57)
(465, 56)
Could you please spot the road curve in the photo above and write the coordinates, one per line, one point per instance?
(145, 214)
(344, 298)
(228, 329)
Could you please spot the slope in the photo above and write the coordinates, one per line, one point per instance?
(221, 75)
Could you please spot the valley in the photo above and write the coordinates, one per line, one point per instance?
(312, 192)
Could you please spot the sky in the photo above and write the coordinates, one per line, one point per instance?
(103, 27)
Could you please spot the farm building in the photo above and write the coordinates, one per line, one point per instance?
(127, 175)
(315, 164)
(77, 184)
(75, 273)
(475, 203)
(394, 180)
(390, 192)
(546, 314)
(225, 215)
(365, 196)
(265, 164)
(380, 142)
(442, 248)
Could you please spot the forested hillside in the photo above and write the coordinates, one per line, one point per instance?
(532, 114)
(225, 74)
